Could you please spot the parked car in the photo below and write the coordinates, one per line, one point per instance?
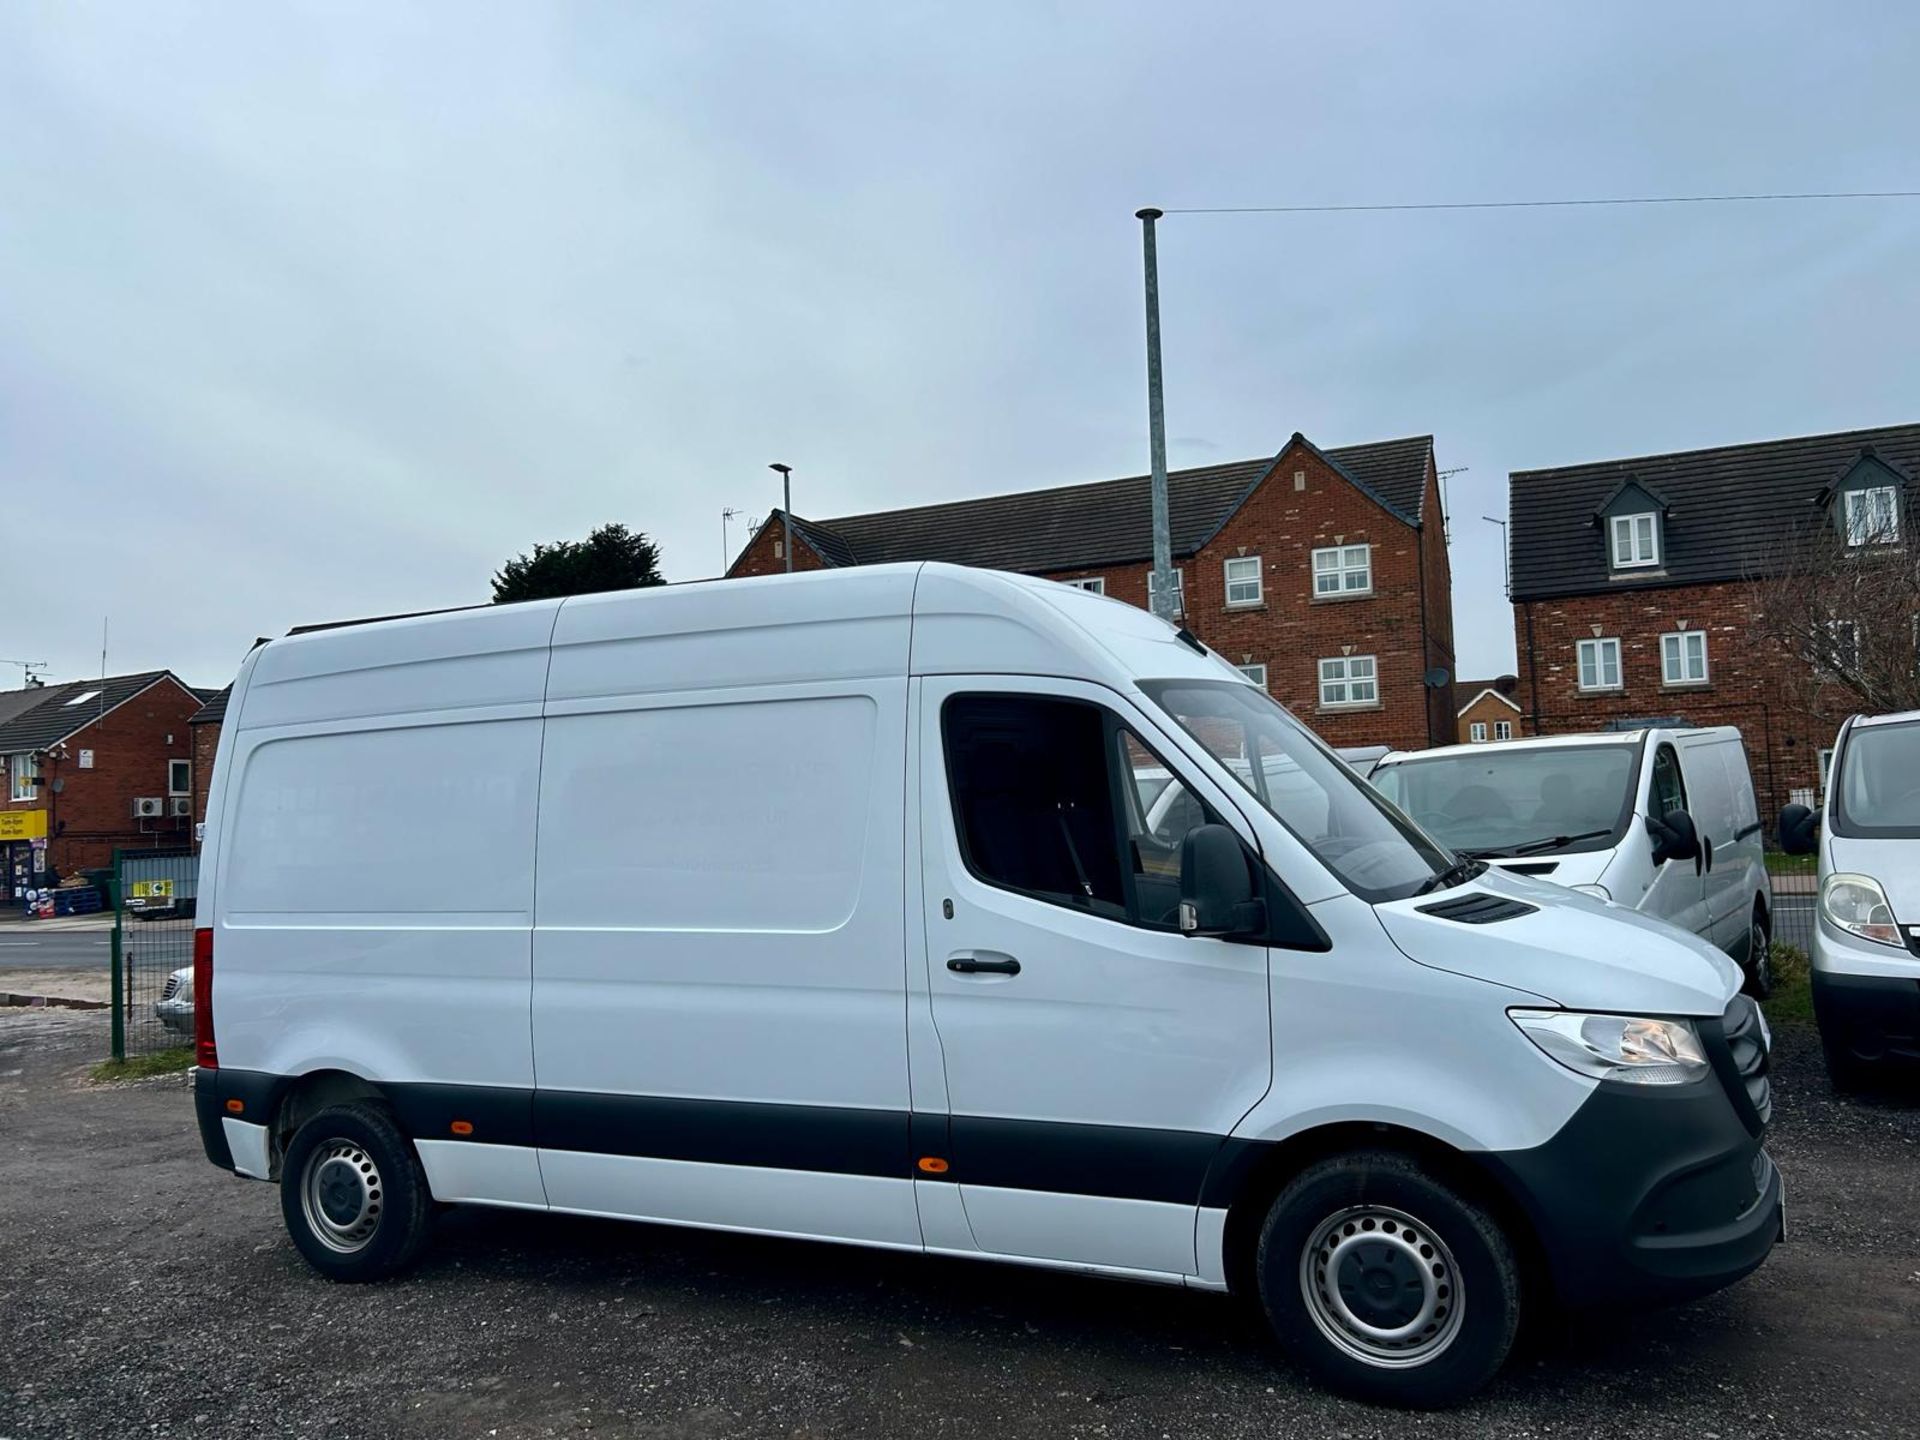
(174, 1008)
(849, 924)
(1866, 940)
(1661, 821)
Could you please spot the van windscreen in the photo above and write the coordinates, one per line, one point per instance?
(1509, 800)
(1878, 794)
(1370, 846)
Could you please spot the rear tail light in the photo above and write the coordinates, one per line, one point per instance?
(204, 1053)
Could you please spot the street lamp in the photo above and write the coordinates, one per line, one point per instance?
(1161, 597)
(786, 509)
(1506, 565)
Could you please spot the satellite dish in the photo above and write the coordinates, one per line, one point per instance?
(1436, 678)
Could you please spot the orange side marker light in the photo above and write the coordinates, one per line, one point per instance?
(236, 1106)
(933, 1165)
(463, 1127)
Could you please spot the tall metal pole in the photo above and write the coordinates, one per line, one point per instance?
(1506, 564)
(786, 510)
(1162, 599)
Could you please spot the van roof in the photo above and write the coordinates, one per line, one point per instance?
(1898, 717)
(1561, 742)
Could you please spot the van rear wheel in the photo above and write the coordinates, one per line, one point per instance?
(353, 1194)
(1387, 1283)
(1759, 957)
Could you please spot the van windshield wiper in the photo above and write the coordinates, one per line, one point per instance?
(1534, 847)
(1458, 873)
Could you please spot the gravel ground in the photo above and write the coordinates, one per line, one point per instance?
(144, 1293)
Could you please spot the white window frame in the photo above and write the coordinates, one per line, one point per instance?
(1852, 658)
(1342, 563)
(22, 770)
(1626, 537)
(1859, 517)
(1826, 766)
(1503, 729)
(1477, 732)
(1255, 673)
(1599, 648)
(1674, 647)
(174, 766)
(1255, 577)
(1179, 591)
(1342, 682)
(1092, 584)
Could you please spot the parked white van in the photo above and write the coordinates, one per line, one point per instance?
(1662, 821)
(1866, 941)
(825, 906)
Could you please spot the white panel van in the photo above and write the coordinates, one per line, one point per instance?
(1866, 937)
(854, 907)
(1662, 821)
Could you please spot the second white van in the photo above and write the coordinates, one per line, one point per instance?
(1662, 821)
(829, 906)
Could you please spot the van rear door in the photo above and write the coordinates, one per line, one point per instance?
(1093, 1056)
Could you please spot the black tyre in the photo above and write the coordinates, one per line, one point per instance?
(353, 1194)
(1848, 1072)
(1759, 958)
(1386, 1282)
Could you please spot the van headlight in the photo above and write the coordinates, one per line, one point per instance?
(1617, 1047)
(1857, 905)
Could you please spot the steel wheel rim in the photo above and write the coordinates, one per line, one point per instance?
(342, 1196)
(1382, 1287)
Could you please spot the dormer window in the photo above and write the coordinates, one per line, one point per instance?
(1636, 540)
(1873, 515)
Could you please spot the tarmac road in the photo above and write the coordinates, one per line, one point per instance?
(145, 1293)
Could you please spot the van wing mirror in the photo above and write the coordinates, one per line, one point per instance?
(1799, 830)
(1216, 885)
(1674, 837)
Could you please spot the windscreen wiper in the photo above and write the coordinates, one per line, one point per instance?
(1458, 873)
(1534, 847)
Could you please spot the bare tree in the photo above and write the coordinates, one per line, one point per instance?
(1839, 608)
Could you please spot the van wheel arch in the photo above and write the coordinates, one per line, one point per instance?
(308, 1095)
(1282, 1161)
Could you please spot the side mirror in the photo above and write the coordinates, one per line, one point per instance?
(1674, 837)
(1216, 887)
(1799, 830)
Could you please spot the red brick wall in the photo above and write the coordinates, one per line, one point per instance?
(1745, 687)
(1488, 710)
(206, 740)
(1291, 630)
(93, 813)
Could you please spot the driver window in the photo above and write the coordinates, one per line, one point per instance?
(1667, 792)
(1158, 811)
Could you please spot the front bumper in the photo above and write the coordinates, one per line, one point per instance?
(1656, 1194)
(1872, 1018)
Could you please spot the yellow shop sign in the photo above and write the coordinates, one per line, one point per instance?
(23, 824)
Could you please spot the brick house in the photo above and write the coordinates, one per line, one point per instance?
(1490, 712)
(1633, 588)
(205, 724)
(78, 758)
(1321, 573)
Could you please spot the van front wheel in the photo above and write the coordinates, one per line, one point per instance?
(353, 1195)
(1386, 1283)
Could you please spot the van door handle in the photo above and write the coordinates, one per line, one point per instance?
(973, 965)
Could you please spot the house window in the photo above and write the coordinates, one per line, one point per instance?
(1600, 664)
(1636, 541)
(1873, 516)
(1094, 584)
(1255, 673)
(1243, 580)
(1348, 680)
(1343, 570)
(1179, 591)
(25, 769)
(1683, 658)
(1843, 645)
(1477, 732)
(1826, 765)
(1503, 729)
(179, 777)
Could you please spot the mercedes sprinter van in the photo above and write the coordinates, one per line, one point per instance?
(828, 906)
(1866, 938)
(1663, 821)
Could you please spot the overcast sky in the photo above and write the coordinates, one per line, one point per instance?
(313, 312)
